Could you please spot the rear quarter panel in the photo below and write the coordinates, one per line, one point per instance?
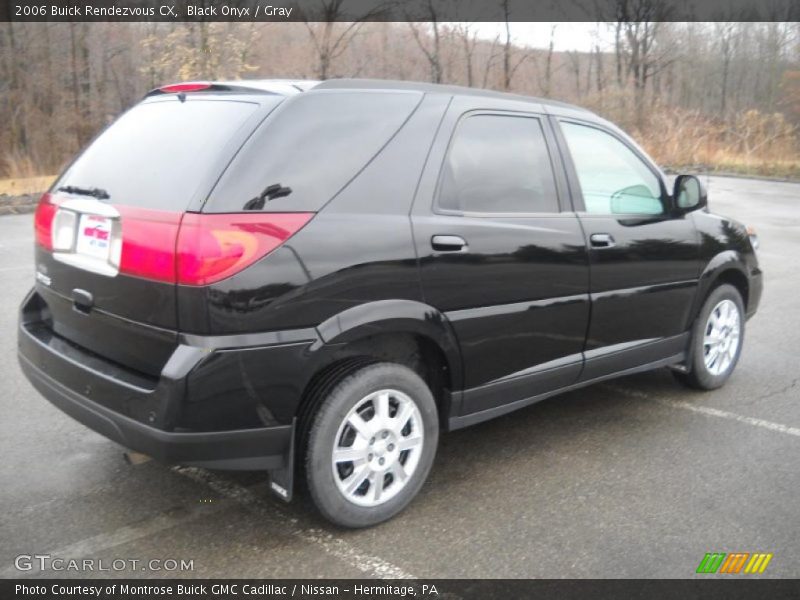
(359, 248)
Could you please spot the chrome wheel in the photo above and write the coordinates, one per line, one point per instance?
(721, 339)
(377, 447)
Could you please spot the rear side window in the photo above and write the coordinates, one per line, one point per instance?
(498, 164)
(309, 149)
(152, 155)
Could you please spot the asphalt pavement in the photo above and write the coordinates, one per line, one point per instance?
(638, 477)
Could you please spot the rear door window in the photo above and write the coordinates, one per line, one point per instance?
(154, 154)
(498, 164)
(309, 149)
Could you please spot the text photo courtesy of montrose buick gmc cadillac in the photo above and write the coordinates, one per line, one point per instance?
(314, 280)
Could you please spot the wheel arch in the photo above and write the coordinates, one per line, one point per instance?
(725, 267)
(404, 331)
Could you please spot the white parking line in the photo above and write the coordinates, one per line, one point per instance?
(90, 547)
(271, 513)
(373, 566)
(711, 412)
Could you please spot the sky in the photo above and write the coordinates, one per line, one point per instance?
(568, 36)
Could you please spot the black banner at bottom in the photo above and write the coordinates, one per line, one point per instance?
(450, 589)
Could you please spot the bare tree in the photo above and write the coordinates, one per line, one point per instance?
(725, 34)
(637, 29)
(509, 65)
(331, 38)
(430, 43)
(491, 59)
(61, 82)
(469, 41)
(574, 59)
(545, 83)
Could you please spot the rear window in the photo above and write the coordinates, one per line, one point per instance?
(151, 157)
(309, 149)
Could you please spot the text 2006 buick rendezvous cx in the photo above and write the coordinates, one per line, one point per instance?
(318, 278)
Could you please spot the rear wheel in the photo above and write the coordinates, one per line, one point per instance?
(371, 445)
(717, 339)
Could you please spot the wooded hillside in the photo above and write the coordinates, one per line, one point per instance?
(724, 95)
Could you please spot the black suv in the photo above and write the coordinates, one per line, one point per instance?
(318, 278)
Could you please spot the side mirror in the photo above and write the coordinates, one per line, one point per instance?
(635, 200)
(689, 194)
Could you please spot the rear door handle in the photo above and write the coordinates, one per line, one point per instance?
(602, 240)
(449, 243)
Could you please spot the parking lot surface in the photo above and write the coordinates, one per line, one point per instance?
(638, 477)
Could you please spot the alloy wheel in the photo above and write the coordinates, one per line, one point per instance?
(721, 339)
(377, 447)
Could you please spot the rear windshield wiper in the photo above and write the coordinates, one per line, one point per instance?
(81, 191)
(276, 190)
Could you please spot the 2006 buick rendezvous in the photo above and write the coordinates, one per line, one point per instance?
(270, 275)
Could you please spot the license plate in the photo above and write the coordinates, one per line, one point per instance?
(94, 236)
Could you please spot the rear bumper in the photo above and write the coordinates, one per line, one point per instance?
(256, 449)
(154, 416)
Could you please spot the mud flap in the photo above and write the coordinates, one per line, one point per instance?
(281, 481)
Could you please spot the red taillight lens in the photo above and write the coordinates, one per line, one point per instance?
(213, 247)
(184, 87)
(43, 221)
(148, 242)
(199, 249)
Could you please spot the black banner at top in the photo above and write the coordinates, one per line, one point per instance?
(399, 10)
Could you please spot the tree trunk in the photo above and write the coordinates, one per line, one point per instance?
(76, 91)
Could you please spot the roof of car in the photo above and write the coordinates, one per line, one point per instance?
(289, 87)
(295, 86)
(389, 84)
(278, 86)
(282, 87)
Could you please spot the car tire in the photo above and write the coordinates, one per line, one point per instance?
(371, 444)
(717, 340)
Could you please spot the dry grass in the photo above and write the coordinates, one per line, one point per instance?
(25, 185)
(751, 143)
(18, 165)
(742, 165)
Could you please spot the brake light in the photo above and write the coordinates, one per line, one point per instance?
(184, 87)
(199, 249)
(43, 221)
(148, 242)
(213, 247)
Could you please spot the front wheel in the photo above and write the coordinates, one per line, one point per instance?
(371, 445)
(717, 339)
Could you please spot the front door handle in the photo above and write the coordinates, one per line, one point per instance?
(448, 243)
(602, 240)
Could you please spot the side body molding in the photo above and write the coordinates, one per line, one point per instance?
(396, 316)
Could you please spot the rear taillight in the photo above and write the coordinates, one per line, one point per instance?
(199, 249)
(43, 221)
(213, 247)
(148, 243)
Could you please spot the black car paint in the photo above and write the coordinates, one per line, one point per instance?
(528, 310)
